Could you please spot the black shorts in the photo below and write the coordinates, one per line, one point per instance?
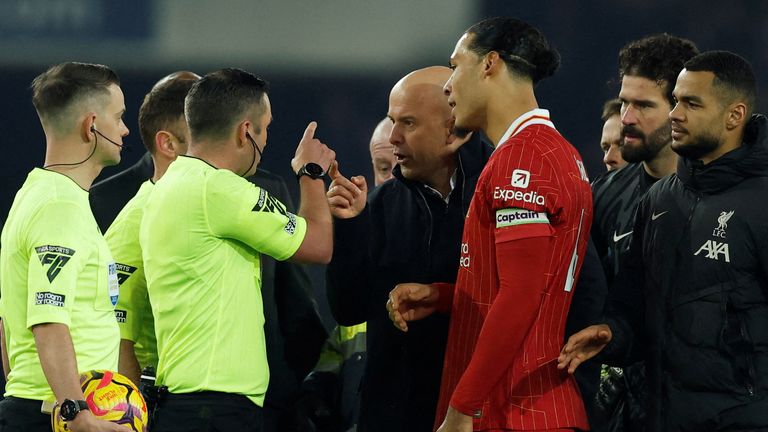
(23, 415)
(206, 411)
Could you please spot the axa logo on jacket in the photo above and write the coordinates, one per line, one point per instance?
(715, 248)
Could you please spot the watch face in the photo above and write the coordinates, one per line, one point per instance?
(314, 170)
(69, 410)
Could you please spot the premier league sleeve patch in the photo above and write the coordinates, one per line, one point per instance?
(114, 285)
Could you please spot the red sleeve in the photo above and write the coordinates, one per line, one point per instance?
(522, 281)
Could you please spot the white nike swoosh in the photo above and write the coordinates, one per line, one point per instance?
(656, 216)
(616, 238)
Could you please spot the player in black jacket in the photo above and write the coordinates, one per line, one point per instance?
(648, 69)
(692, 299)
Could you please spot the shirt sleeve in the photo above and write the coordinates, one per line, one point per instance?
(350, 264)
(132, 307)
(524, 193)
(625, 306)
(524, 198)
(521, 286)
(133, 302)
(56, 257)
(239, 210)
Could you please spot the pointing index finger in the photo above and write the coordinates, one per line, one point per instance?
(310, 131)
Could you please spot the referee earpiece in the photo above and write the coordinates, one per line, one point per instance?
(93, 128)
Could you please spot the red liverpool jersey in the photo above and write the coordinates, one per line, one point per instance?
(533, 191)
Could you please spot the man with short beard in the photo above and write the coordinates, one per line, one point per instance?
(691, 298)
(648, 69)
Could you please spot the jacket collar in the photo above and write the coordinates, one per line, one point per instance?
(749, 160)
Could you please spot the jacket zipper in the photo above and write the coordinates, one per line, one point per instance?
(463, 189)
(431, 227)
(750, 363)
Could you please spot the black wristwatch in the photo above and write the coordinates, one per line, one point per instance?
(311, 170)
(70, 408)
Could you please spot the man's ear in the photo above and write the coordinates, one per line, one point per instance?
(737, 115)
(242, 133)
(164, 143)
(492, 63)
(88, 127)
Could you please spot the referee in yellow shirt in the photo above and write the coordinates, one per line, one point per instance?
(58, 283)
(164, 132)
(203, 229)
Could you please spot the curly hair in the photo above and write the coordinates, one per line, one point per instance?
(522, 47)
(659, 58)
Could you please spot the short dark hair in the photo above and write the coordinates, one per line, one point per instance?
(611, 108)
(162, 108)
(216, 101)
(659, 58)
(522, 47)
(734, 76)
(64, 84)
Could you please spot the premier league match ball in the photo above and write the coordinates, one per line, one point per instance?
(112, 397)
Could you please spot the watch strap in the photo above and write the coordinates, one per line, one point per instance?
(307, 170)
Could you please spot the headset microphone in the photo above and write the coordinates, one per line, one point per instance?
(95, 144)
(93, 129)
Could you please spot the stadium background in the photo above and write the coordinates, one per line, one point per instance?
(334, 61)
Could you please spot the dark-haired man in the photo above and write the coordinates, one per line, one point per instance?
(165, 134)
(58, 281)
(293, 329)
(204, 281)
(691, 300)
(610, 139)
(648, 69)
(523, 245)
(110, 195)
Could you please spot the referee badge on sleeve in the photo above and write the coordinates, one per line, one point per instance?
(114, 286)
